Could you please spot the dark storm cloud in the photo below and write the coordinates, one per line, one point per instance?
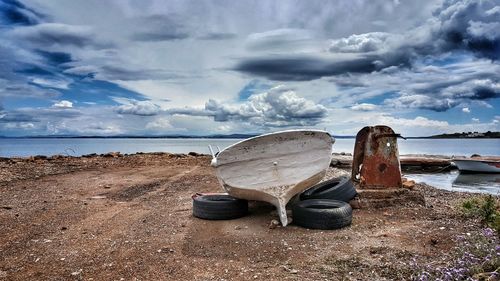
(172, 27)
(47, 35)
(304, 68)
(164, 35)
(470, 25)
(422, 102)
(13, 12)
(440, 97)
(159, 28)
(464, 25)
(217, 36)
(25, 90)
(55, 58)
(483, 93)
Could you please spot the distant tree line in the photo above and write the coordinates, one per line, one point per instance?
(463, 135)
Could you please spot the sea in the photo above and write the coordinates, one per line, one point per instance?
(24, 147)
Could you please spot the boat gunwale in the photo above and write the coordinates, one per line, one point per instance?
(276, 133)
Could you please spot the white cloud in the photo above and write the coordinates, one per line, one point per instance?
(278, 107)
(187, 72)
(363, 107)
(465, 110)
(159, 124)
(52, 83)
(20, 125)
(367, 42)
(282, 39)
(421, 101)
(418, 121)
(475, 120)
(63, 104)
(141, 108)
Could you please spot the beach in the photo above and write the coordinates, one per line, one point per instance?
(129, 217)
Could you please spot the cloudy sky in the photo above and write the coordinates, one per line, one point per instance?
(147, 67)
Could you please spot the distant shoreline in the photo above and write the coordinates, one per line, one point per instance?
(222, 137)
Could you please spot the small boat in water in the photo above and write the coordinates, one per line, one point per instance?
(274, 167)
(478, 165)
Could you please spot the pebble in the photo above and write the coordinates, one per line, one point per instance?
(273, 224)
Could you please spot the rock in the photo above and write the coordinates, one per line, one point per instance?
(237, 227)
(40, 157)
(90, 155)
(112, 154)
(192, 153)
(273, 224)
(57, 156)
(410, 184)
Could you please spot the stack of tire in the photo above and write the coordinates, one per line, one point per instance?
(323, 206)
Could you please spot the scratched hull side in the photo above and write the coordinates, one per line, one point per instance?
(275, 160)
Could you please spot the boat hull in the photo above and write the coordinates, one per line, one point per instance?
(274, 167)
(477, 166)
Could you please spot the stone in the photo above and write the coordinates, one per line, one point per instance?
(273, 224)
(410, 184)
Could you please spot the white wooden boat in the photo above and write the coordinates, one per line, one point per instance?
(274, 167)
(478, 165)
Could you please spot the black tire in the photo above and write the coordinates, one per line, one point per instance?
(218, 207)
(335, 189)
(322, 214)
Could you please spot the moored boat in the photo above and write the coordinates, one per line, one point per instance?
(274, 167)
(478, 165)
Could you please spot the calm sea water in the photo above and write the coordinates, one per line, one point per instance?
(76, 147)
(450, 181)
(454, 181)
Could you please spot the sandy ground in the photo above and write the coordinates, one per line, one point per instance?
(129, 218)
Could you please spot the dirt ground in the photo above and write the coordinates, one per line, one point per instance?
(129, 218)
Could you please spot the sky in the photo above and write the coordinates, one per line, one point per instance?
(154, 67)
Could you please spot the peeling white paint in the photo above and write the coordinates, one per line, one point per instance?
(274, 167)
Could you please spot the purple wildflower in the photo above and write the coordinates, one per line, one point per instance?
(488, 232)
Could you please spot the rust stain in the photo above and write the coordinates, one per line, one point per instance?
(376, 158)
